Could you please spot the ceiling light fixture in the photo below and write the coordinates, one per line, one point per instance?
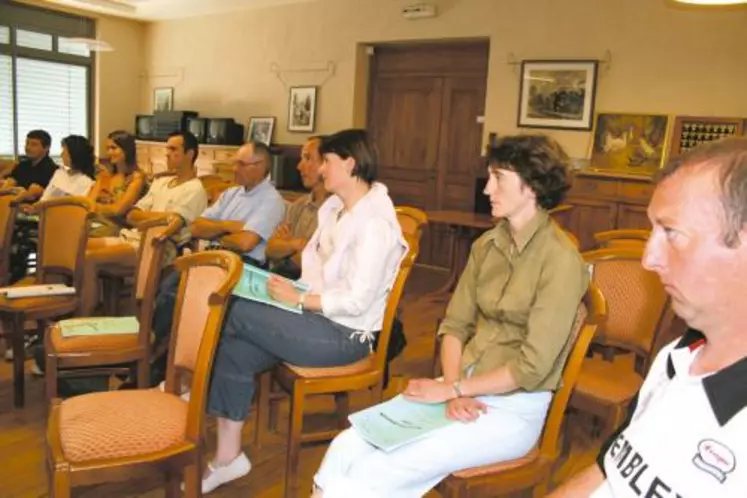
(713, 2)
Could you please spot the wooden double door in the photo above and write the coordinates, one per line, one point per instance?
(426, 107)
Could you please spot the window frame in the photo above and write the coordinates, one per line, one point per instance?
(58, 25)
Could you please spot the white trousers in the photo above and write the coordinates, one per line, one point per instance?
(509, 429)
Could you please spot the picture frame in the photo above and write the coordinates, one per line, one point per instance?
(302, 108)
(260, 129)
(629, 144)
(163, 99)
(557, 94)
(691, 131)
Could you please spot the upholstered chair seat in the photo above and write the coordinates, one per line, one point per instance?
(133, 423)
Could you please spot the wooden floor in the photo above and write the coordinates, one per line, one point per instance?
(22, 432)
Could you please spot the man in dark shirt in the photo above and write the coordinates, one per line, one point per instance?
(35, 171)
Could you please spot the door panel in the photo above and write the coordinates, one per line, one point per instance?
(405, 117)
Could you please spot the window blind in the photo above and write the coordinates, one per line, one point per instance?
(52, 96)
(6, 106)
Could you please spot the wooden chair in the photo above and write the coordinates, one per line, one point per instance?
(534, 469)
(638, 312)
(63, 231)
(214, 186)
(120, 435)
(73, 356)
(8, 210)
(621, 238)
(368, 373)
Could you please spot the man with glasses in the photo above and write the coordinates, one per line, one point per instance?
(244, 217)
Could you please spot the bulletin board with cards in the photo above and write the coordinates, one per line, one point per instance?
(691, 131)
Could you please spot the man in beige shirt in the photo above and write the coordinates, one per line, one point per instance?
(506, 336)
(286, 244)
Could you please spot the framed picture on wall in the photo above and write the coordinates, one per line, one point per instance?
(302, 108)
(691, 131)
(557, 94)
(260, 130)
(163, 99)
(630, 144)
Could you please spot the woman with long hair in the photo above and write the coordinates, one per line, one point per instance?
(75, 177)
(120, 186)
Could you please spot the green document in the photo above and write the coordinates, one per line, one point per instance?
(398, 422)
(253, 286)
(99, 326)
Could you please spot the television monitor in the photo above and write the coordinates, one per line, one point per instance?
(224, 131)
(144, 129)
(198, 127)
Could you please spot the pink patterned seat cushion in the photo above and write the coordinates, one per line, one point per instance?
(119, 424)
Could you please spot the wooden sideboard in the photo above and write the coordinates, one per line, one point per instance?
(212, 159)
(606, 202)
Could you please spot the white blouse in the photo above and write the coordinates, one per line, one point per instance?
(353, 258)
(66, 182)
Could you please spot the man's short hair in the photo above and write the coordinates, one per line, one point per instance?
(729, 158)
(540, 162)
(261, 149)
(189, 140)
(42, 136)
(353, 143)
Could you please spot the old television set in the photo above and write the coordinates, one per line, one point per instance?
(198, 127)
(166, 122)
(144, 126)
(284, 172)
(224, 131)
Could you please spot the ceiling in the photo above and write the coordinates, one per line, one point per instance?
(158, 10)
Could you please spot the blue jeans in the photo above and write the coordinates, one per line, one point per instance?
(257, 336)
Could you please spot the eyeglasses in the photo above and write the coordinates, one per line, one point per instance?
(239, 162)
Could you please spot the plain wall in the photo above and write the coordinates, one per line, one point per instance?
(664, 59)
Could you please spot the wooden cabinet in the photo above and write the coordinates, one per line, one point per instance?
(606, 202)
(211, 159)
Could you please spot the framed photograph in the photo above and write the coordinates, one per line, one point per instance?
(302, 108)
(691, 131)
(163, 99)
(632, 144)
(557, 94)
(260, 130)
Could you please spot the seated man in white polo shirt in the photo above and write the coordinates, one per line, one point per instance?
(687, 431)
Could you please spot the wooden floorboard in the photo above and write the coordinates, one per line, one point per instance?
(22, 432)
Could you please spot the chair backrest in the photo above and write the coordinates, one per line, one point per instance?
(621, 238)
(636, 298)
(206, 282)
(591, 314)
(392, 304)
(561, 215)
(412, 220)
(63, 233)
(214, 186)
(8, 210)
(153, 242)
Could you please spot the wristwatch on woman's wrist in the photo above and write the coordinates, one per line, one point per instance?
(301, 300)
(457, 386)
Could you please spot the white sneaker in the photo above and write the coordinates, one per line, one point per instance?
(184, 395)
(238, 468)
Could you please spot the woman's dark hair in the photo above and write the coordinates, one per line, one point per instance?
(81, 154)
(540, 162)
(356, 144)
(126, 142)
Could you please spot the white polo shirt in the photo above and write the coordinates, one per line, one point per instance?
(687, 436)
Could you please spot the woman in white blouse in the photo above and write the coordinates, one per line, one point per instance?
(75, 177)
(350, 265)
